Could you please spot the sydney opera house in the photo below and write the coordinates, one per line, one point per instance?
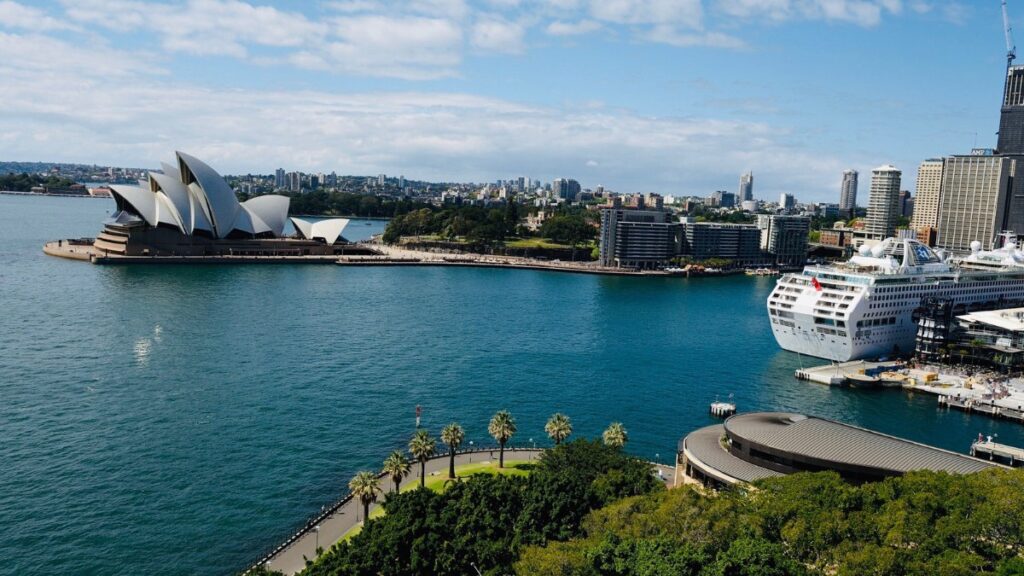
(188, 209)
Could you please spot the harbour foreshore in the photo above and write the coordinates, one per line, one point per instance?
(394, 256)
(334, 521)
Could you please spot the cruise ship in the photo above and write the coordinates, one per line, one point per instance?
(863, 308)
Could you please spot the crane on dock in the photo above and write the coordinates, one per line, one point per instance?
(1011, 48)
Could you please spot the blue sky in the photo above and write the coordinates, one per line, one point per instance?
(670, 96)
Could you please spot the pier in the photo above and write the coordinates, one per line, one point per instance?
(723, 409)
(1010, 454)
(854, 373)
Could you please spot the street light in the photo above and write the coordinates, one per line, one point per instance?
(316, 545)
(470, 450)
(532, 444)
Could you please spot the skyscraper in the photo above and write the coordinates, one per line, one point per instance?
(926, 198)
(787, 201)
(1011, 115)
(884, 202)
(848, 193)
(746, 188)
(975, 200)
(279, 178)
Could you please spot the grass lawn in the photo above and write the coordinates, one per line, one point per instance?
(534, 243)
(439, 482)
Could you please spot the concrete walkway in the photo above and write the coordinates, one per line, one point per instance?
(292, 558)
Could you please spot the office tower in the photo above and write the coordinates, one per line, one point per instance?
(928, 193)
(1011, 115)
(975, 200)
(848, 193)
(293, 181)
(380, 180)
(401, 182)
(883, 202)
(906, 203)
(723, 199)
(566, 189)
(746, 188)
(787, 201)
(784, 238)
(279, 178)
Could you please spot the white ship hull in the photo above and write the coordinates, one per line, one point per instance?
(853, 314)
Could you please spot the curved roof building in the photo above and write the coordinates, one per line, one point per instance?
(758, 445)
(194, 199)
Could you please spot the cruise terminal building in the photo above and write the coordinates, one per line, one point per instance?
(758, 445)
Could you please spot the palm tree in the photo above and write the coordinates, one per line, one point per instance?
(559, 427)
(366, 486)
(422, 447)
(452, 435)
(615, 435)
(502, 427)
(396, 465)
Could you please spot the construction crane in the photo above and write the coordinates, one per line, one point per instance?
(1011, 49)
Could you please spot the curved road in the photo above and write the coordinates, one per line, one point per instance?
(293, 558)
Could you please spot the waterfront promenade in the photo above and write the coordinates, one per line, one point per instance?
(335, 522)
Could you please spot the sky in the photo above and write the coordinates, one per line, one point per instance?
(677, 97)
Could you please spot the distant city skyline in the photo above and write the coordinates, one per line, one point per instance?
(676, 97)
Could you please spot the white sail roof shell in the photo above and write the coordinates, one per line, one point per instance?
(193, 197)
(327, 230)
(213, 191)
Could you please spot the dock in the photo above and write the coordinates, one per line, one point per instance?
(723, 409)
(980, 406)
(854, 373)
(1010, 454)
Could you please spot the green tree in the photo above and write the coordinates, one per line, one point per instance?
(396, 465)
(756, 557)
(423, 447)
(366, 487)
(452, 435)
(502, 427)
(615, 435)
(558, 428)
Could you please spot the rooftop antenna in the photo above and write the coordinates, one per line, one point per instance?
(1011, 49)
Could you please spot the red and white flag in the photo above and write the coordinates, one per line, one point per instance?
(815, 283)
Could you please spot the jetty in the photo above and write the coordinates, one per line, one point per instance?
(723, 409)
(855, 373)
(1002, 452)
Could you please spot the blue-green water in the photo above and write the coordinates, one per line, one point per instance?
(180, 420)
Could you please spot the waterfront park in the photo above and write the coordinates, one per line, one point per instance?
(587, 507)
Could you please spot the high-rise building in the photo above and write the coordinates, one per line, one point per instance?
(636, 238)
(723, 199)
(746, 188)
(380, 180)
(736, 242)
(1011, 115)
(784, 238)
(883, 202)
(928, 193)
(906, 204)
(848, 193)
(279, 178)
(293, 181)
(975, 200)
(787, 201)
(401, 182)
(566, 189)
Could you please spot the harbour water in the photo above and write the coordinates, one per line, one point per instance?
(180, 420)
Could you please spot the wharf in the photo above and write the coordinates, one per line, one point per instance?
(1011, 454)
(981, 406)
(854, 373)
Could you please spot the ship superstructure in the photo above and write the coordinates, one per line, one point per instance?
(863, 308)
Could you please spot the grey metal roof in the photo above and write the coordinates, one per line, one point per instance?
(831, 441)
(705, 444)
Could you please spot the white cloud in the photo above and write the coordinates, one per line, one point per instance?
(671, 36)
(687, 13)
(860, 12)
(497, 35)
(15, 15)
(440, 136)
(560, 28)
